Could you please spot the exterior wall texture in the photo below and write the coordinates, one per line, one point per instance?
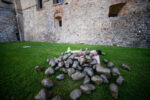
(8, 23)
(86, 21)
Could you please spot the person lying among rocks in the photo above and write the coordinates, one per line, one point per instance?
(96, 54)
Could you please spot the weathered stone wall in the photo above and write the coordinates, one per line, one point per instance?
(8, 24)
(87, 21)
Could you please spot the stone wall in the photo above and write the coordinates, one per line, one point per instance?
(88, 21)
(8, 24)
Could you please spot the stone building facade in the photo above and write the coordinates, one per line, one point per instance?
(8, 23)
(96, 22)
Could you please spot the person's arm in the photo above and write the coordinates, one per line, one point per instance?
(98, 59)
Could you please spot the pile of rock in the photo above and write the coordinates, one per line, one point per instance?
(85, 68)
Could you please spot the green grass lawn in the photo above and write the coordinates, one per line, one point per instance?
(20, 81)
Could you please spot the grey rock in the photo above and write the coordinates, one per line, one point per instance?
(60, 59)
(77, 76)
(88, 59)
(102, 70)
(105, 80)
(86, 80)
(94, 62)
(105, 61)
(49, 71)
(120, 80)
(75, 94)
(69, 61)
(97, 79)
(110, 64)
(81, 61)
(56, 98)
(91, 55)
(124, 66)
(38, 68)
(75, 64)
(65, 57)
(60, 64)
(62, 53)
(64, 70)
(115, 71)
(79, 68)
(43, 95)
(87, 88)
(67, 65)
(47, 83)
(60, 77)
(52, 63)
(85, 65)
(89, 71)
(56, 60)
(71, 71)
(73, 56)
(114, 90)
(57, 68)
(94, 67)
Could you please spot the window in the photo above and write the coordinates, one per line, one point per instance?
(57, 1)
(58, 21)
(115, 9)
(39, 4)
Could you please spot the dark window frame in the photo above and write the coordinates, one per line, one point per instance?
(56, 2)
(40, 4)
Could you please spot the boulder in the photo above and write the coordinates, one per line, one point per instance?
(87, 88)
(124, 66)
(97, 79)
(57, 68)
(88, 59)
(77, 76)
(60, 64)
(91, 55)
(75, 94)
(56, 98)
(120, 80)
(94, 62)
(79, 68)
(43, 95)
(60, 59)
(81, 61)
(52, 63)
(60, 77)
(86, 80)
(69, 61)
(102, 70)
(49, 71)
(105, 61)
(65, 57)
(104, 77)
(115, 71)
(75, 64)
(110, 64)
(73, 55)
(71, 71)
(114, 90)
(56, 60)
(89, 71)
(47, 83)
(64, 70)
(38, 68)
(67, 65)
